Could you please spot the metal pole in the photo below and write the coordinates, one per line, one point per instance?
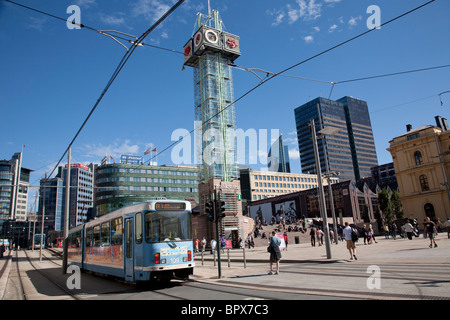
(34, 222)
(333, 213)
(42, 220)
(219, 269)
(66, 213)
(323, 209)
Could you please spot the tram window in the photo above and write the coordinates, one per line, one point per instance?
(167, 226)
(96, 236)
(138, 223)
(106, 230)
(89, 237)
(117, 232)
(129, 240)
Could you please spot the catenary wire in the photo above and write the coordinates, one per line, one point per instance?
(91, 28)
(114, 76)
(290, 68)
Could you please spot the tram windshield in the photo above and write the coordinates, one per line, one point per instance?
(167, 226)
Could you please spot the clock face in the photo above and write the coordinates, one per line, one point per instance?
(198, 39)
(211, 36)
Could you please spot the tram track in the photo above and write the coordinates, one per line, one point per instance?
(27, 288)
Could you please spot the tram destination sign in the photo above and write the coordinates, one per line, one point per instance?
(170, 206)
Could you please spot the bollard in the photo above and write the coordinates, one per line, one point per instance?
(202, 258)
(245, 262)
(228, 254)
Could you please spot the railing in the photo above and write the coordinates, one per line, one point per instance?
(231, 254)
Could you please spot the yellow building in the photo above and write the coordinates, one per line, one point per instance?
(422, 166)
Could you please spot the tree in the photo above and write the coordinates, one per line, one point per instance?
(396, 205)
(385, 206)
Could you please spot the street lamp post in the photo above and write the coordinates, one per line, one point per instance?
(323, 208)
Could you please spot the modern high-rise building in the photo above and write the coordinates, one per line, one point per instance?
(81, 197)
(349, 150)
(278, 157)
(123, 184)
(14, 185)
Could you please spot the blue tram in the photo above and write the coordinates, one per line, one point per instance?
(142, 242)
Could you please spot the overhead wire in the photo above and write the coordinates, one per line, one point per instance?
(264, 81)
(116, 72)
(102, 32)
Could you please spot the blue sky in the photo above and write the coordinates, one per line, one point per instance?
(50, 76)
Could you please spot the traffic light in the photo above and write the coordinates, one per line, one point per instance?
(220, 209)
(209, 210)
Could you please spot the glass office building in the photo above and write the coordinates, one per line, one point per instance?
(119, 185)
(351, 150)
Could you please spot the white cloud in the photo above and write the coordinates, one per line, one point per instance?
(308, 39)
(85, 3)
(332, 28)
(317, 29)
(111, 20)
(306, 10)
(115, 149)
(354, 21)
(152, 10)
(294, 154)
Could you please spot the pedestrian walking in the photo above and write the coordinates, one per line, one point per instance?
(213, 246)
(386, 231)
(364, 234)
(351, 246)
(286, 240)
(196, 243)
(223, 244)
(409, 230)
(312, 233)
(275, 253)
(203, 244)
(319, 234)
(250, 241)
(431, 230)
(447, 226)
(394, 231)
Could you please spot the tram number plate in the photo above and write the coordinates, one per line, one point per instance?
(174, 251)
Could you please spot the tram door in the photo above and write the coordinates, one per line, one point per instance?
(129, 254)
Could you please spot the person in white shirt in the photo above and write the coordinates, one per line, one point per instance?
(409, 230)
(447, 225)
(351, 246)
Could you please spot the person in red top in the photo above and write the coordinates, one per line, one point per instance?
(196, 243)
(285, 236)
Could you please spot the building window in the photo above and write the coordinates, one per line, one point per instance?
(424, 182)
(418, 158)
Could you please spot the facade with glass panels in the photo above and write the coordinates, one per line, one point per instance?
(14, 183)
(81, 197)
(350, 150)
(119, 185)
